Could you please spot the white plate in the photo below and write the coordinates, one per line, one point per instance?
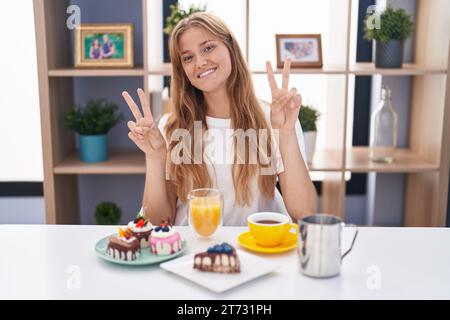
(251, 267)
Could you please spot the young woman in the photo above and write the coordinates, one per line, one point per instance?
(212, 84)
(95, 52)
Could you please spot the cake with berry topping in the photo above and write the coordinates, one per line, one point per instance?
(124, 246)
(141, 229)
(221, 258)
(165, 239)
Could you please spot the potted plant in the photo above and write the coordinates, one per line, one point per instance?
(177, 14)
(108, 213)
(92, 123)
(390, 34)
(308, 119)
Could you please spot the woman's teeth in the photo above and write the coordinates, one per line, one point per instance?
(206, 73)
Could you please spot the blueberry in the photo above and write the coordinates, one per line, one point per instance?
(157, 229)
(227, 248)
(165, 229)
(221, 248)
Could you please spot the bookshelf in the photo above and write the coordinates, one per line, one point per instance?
(425, 162)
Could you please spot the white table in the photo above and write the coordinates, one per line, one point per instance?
(59, 262)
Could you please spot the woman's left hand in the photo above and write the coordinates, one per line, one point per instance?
(286, 103)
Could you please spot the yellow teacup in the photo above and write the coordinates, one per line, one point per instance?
(270, 228)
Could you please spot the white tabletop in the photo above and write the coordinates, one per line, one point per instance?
(59, 262)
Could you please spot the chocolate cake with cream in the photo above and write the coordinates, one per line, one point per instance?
(141, 229)
(124, 246)
(221, 258)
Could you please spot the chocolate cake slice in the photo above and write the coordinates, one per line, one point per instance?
(124, 247)
(221, 258)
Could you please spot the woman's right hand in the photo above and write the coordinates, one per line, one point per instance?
(144, 132)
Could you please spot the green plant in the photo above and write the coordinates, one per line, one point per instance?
(177, 14)
(107, 212)
(98, 117)
(308, 118)
(394, 25)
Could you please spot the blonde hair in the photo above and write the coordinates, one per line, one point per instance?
(189, 105)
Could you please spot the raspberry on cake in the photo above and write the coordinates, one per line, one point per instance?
(141, 229)
(220, 258)
(125, 246)
(165, 239)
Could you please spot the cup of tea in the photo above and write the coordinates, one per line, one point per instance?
(205, 211)
(269, 229)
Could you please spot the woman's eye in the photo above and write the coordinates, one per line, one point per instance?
(208, 48)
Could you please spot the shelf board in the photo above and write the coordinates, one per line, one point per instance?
(357, 160)
(326, 160)
(110, 72)
(409, 69)
(120, 162)
(133, 162)
(326, 69)
(161, 70)
(166, 70)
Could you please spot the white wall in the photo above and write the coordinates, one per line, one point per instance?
(20, 131)
(18, 210)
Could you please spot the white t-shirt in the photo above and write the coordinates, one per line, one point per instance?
(218, 150)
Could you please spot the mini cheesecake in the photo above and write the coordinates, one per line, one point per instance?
(165, 239)
(142, 230)
(221, 258)
(125, 246)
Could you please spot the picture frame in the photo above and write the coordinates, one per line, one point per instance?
(305, 50)
(105, 45)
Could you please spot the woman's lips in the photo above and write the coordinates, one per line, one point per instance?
(207, 73)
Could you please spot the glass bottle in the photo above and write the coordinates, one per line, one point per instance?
(383, 130)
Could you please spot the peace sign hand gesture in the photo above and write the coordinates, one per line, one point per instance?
(286, 103)
(144, 132)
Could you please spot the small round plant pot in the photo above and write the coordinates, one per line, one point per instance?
(389, 54)
(94, 148)
(310, 144)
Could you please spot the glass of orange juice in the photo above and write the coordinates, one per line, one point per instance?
(205, 211)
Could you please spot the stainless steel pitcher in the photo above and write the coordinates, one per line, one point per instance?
(319, 246)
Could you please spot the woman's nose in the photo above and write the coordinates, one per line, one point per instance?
(201, 62)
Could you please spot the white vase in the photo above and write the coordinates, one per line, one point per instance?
(310, 144)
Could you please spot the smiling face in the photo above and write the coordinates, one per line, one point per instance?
(205, 59)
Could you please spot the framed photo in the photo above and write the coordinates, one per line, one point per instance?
(305, 50)
(104, 45)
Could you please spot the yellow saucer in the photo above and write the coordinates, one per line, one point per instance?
(247, 241)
